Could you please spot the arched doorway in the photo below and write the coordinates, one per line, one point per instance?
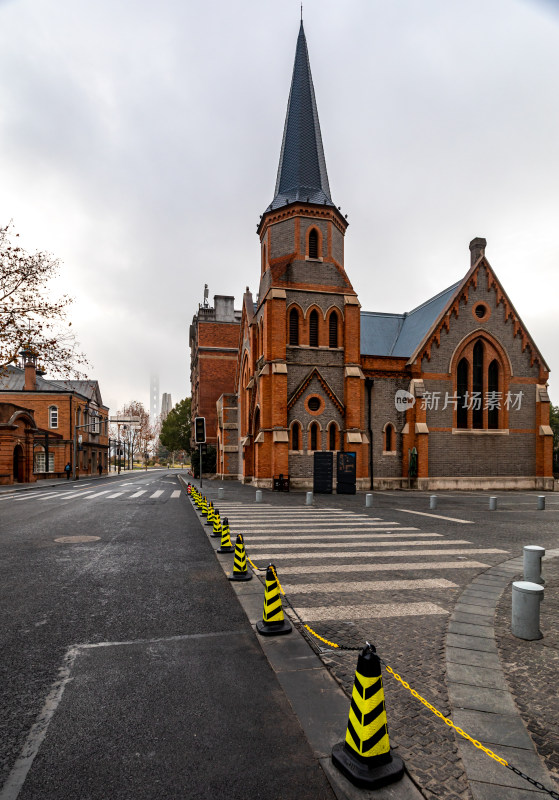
(18, 464)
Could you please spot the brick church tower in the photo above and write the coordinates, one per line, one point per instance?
(299, 380)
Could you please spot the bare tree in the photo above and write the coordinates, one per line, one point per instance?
(139, 437)
(28, 317)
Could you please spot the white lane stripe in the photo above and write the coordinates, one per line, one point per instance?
(317, 523)
(299, 514)
(376, 611)
(98, 494)
(374, 568)
(158, 493)
(76, 495)
(435, 516)
(378, 553)
(175, 494)
(335, 537)
(368, 586)
(138, 494)
(286, 547)
(39, 496)
(116, 494)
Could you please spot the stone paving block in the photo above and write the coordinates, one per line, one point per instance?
(481, 767)
(493, 729)
(289, 653)
(474, 619)
(403, 789)
(474, 676)
(472, 608)
(480, 698)
(488, 791)
(462, 655)
(466, 628)
(471, 643)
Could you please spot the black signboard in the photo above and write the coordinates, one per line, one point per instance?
(323, 472)
(346, 473)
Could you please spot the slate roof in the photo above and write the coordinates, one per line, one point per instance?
(13, 380)
(302, 167)
(399, 335)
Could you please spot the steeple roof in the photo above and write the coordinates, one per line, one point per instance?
(302, 167)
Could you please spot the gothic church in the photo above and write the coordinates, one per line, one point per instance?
(452, 394)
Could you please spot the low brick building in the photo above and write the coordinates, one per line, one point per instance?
(452, 394)
(53, 409)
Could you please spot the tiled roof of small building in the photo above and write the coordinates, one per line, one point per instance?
(398, 335)
(302, 167)
(13, 379)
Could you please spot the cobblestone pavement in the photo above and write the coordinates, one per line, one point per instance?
(532, 668)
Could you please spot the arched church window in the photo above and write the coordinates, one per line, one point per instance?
(256, 421)
(295, 436)
(333, 339)
(389, 438)
(462, 394)
(332, 436)
(313, 244)
(313, 328)
(314, 436)
(493, 394)
(477, 386)
(293, 326)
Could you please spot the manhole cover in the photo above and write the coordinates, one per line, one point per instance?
(75, 539)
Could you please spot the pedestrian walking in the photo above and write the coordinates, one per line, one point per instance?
(67, 470)
(100, 469)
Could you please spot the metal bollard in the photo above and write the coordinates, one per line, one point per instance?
(433, 501)
(533, 563)
(541, 502)
(258, 496)
(308, 501)
(526, 599)
(368, 500)
(493, 504)
(220, 493)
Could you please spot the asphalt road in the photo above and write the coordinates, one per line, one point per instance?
(127, 667)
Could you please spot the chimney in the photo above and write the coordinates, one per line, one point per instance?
(30, 369)
(477, 249)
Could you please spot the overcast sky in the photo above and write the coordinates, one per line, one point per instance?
(139, 143)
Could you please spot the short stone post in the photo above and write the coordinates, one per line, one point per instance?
(368, 500)
(493, 504)
(220, 493)
(308, 501)
(533, 563)
(541, 502)
(526, 599)
(433, 501)
(258, 496)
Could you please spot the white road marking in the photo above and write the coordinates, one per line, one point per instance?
(378, 553)
(374, 568)
(316, 523)
(175, 494)
(334, 537)
(368, 586)
(285, 548)
(435, 516)
(75, 495)
(138, 494)
(158, 493)
(98, 494)
(376, 611)
(116, 494)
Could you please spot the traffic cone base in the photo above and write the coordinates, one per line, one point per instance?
(226, 549)
(273, 628)
(362, 775)
(240, 576)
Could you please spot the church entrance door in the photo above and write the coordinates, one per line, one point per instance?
(18, 464)
(323, 472)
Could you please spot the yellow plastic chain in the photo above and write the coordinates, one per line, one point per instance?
(322, 639)
(446, 720)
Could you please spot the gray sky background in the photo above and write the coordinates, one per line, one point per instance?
(139, 143)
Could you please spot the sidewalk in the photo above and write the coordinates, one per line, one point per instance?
(454, 663)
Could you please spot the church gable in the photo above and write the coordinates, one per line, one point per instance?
(314, 381)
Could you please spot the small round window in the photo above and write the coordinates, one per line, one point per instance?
(314, 404)
(481, 311)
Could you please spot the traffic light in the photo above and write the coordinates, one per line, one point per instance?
(200, 430)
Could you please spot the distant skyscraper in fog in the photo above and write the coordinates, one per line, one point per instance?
(154, 399)
(166, 405)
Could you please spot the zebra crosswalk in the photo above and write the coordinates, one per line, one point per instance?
(119, 493)
(343, 565)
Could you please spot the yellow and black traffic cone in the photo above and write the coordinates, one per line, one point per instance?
(211, 514)
(240, 568)
(273, 621)
(225, 546)
(204, 507)
(216, 523)
(365, 757)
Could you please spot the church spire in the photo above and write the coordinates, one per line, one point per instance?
(302, 172)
